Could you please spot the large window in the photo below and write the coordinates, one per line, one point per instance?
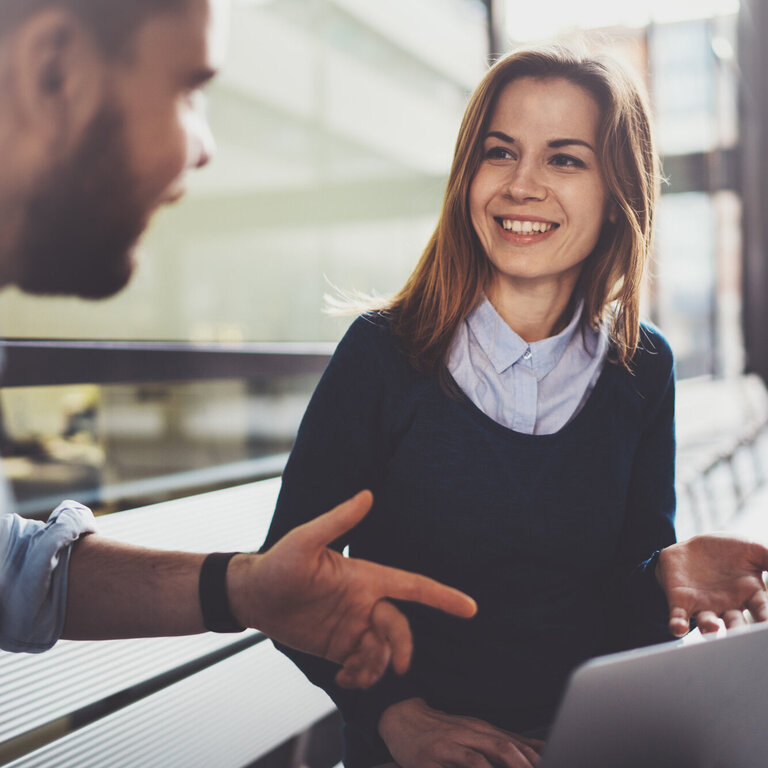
(685, 52)
(335, 122)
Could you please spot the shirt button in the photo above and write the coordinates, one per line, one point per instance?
(527, 354)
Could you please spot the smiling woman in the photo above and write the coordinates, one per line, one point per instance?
(544, 98)
(538, 201)
(513, 418)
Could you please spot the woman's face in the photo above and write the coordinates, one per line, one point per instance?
(538, 200)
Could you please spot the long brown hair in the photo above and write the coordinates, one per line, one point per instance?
(454, 269)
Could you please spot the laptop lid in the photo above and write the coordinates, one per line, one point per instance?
(678, 705)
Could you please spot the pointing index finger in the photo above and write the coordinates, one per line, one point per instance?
(403, 585)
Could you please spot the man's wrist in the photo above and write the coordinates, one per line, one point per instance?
(213, 591)
(245, 590)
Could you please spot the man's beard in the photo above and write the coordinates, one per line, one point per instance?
(81, 226)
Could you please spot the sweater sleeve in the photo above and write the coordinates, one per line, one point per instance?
(341, 448)
(650, 510)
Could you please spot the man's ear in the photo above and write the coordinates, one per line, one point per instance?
(59, 79)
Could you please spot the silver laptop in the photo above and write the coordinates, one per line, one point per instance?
(691, 705)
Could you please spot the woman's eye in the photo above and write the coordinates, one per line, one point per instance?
(567, 161)
(498, 153)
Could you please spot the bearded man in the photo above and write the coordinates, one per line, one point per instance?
(102, 118)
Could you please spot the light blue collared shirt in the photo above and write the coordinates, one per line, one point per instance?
(531, 388)
(34, 558)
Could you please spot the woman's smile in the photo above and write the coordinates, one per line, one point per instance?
(538, 199)
(523, 231)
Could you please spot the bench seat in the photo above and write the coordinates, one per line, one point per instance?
(145, 702)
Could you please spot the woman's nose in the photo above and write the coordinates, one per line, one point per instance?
(525, 183)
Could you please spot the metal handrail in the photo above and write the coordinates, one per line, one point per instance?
(43, 362)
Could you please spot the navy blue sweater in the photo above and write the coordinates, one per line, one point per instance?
(551, 534)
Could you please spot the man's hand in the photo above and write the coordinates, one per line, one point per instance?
(312, 598)
(713, 577)
(418, 736)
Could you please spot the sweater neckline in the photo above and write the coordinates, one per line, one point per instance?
(484, 419)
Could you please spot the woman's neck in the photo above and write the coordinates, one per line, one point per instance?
(533, 312)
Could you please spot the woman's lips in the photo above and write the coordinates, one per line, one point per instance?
(525, 230)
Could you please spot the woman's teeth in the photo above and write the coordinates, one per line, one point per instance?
(526, 227)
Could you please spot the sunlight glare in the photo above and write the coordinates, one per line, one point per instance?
(550, 18)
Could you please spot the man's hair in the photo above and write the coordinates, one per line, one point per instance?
(113, 23)
(454, 269)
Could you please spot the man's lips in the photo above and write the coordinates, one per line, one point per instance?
(173, 193)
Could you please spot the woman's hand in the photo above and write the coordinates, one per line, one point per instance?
(713, 577)
(418, 736)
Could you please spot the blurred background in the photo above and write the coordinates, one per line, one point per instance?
(335, 122)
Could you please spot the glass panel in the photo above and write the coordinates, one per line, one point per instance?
(119, 446)
(685, 279)
(335, 123)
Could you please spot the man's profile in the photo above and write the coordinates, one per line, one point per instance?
(102, 118)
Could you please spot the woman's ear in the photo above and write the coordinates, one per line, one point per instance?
(58, 79)
(612, 214)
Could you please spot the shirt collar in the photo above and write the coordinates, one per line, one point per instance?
(504, 348)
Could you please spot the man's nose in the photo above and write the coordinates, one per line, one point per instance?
(201, 146)
(202, 143)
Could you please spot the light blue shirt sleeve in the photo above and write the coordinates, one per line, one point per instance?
(34, 559)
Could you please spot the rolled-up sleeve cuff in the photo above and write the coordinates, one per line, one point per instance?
(34, 560)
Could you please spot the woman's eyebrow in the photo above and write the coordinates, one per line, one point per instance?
(554, 144)
(557, 143)
(500, 135)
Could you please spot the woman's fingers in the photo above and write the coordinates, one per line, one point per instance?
(464, 757)
(421, 737)
(496, 749)
(734, 618)
(757, 605)
(707, 622)
(514, 753)
(679, 621)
